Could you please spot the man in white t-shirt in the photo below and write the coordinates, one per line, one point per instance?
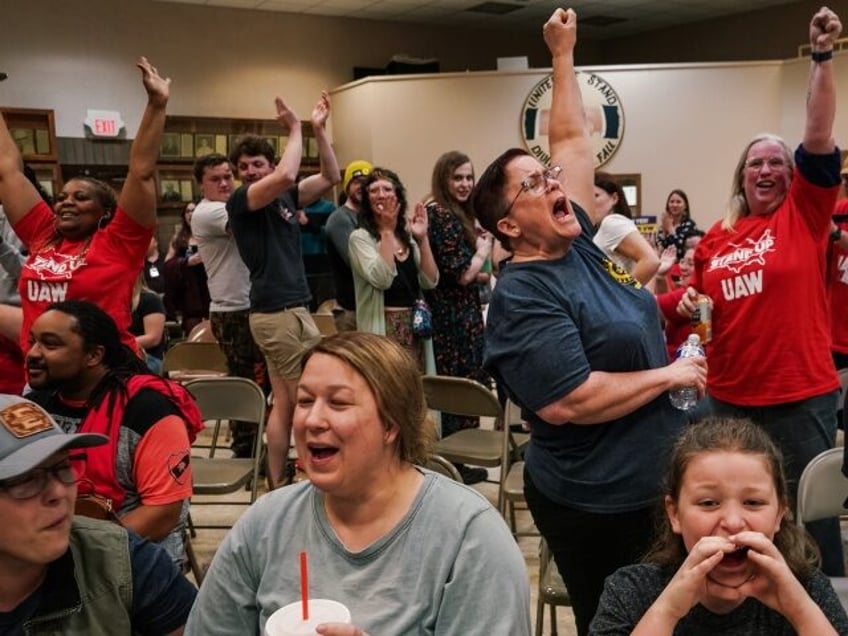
(229, 283)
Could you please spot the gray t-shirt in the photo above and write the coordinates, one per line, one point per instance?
(340, 226)
(449, 567)
(631, 591)
(227, 276)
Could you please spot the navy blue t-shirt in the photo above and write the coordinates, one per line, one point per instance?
(268, 241)
(551, 323)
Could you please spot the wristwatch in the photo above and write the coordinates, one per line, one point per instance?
(835, 235)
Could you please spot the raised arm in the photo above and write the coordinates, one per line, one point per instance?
(138, 196)
(311, 188)
(825, 28)
(645, 260)
(272, 186)
(17, 194)
(568, 130)
(418, 228)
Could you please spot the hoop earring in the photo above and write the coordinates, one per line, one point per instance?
(103, 221)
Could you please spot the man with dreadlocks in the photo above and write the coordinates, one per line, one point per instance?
(90, 382)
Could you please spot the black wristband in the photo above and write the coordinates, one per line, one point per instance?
(821, 56)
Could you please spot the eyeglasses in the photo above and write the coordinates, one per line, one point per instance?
(536, 184)
(775, 163)
(31, 484)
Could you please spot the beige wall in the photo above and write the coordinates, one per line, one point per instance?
(685, 124)
(71, 55)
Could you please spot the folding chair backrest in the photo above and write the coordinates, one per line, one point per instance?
(823, 488)
(228, 398)
(326, 324)
(439, 464)
(460, 396)
(202, 332)
(205, 356)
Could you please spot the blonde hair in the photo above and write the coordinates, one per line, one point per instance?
(394, 380)
(737, 207)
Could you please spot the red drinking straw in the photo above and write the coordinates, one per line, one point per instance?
(304, 586)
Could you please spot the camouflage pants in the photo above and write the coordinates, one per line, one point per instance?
(232, 330)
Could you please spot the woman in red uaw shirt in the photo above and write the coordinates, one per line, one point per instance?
(90, 246)
(763, 266)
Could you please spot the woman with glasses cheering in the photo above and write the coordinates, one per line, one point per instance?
(763, 267)
(578, 346)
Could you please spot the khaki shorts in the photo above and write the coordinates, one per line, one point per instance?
(283, 337)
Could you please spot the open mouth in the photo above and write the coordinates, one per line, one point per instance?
(560, 211)
(735, 558)
(321, 453)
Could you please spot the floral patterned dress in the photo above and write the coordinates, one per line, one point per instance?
(457, 318)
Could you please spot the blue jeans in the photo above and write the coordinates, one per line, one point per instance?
(801, 430)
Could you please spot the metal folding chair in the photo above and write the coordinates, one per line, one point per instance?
(227, 398)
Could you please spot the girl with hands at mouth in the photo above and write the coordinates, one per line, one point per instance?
(728, 559)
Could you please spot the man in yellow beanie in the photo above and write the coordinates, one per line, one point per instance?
(341, 223)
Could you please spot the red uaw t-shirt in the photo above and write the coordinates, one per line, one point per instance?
(837, 272)
(771, 327)
(102, 270)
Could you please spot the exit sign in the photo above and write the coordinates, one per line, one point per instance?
(104, 123)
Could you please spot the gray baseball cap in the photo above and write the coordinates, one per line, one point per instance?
(28, 436)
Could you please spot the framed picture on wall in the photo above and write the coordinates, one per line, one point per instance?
(186, 190)
(204, 145)
(170, 145)
(24, 140)
(221, 144)
(169, 191)
(42, 141)
(233, 141)
(186, 145)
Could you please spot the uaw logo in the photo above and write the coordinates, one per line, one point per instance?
(750, 253)
(56, 265)
(601, 105)
(745, 254)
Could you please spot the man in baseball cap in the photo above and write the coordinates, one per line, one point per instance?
(66, 574)
(340, 224)
(28, 436)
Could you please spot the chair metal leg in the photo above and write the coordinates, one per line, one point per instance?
(553, 621)
(190, 524)
(193, 563)
(540, 615)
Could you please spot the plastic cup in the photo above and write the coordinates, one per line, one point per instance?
(288, 620)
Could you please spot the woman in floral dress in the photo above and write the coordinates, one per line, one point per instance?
(460, 252)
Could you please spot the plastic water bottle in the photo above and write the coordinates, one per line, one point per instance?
(687, 397)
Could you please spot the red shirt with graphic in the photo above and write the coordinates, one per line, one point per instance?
(837, 279)
(101, 269)
(771, 326)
